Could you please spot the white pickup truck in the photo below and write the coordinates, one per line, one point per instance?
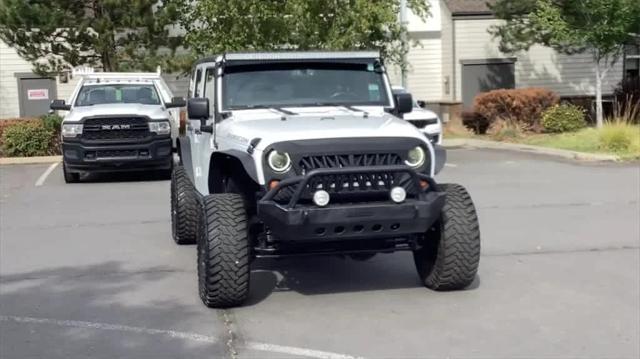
(118, 122)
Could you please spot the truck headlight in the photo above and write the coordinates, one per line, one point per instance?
(160, 127)
(71, 130)
(279, 162)
(415, 157)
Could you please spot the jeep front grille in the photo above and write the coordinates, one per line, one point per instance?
(115, 128)
(309, 163)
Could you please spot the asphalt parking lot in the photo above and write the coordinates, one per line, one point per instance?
(90, 271)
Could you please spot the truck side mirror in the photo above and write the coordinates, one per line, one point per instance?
(404, 102)
(59, 105)
(176, 102)
(198, 109)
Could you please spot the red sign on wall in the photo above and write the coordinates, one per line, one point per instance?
(38, 94)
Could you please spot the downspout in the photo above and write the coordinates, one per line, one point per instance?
(403, 22)
(454, 82)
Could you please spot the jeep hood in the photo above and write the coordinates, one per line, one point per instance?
(131, 109)
(273, 126)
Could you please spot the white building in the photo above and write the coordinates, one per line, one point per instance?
(456, 58)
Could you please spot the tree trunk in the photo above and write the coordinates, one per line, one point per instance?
(599, 116)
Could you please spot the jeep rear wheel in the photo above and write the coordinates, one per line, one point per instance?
(223, 251)
(449, 257)
(70, 177)
(184, 208)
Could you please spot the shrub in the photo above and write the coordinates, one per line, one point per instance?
(501, 130)
(563, 118)
(25, 139)
(521, 106)
(52, 122)
(475, 122)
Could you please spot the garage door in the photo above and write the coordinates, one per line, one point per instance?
(485, 75)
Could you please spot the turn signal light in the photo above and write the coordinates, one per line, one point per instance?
(424, 184)
(273, 184)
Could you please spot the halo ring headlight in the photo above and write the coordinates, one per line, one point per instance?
(415, 157)
(279, 161)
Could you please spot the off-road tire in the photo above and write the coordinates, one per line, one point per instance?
(451, 253)
(223, 251)
(184, 208)
(70, 177)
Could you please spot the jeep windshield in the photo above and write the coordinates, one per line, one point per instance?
(117, 94)
(303, 84)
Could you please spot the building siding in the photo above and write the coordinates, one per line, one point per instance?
(10, 64)
(567, 75)
(447, 79)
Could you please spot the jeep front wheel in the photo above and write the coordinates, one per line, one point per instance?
(449, 257)
(184, 208)
(223, 251)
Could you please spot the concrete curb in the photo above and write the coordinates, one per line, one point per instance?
(29, 160)
(554, 152)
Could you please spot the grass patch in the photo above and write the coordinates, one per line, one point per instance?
(617, 138)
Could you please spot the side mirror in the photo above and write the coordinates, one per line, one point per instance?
(59, 105)
(176, 102)
(421, 104)
(198, 109)
(404, 102)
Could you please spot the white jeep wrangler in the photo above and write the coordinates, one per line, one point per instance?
(300, 153)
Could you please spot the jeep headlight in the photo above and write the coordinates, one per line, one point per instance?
(279, 161)
(415, 157)
(160, 127)
(71, 130)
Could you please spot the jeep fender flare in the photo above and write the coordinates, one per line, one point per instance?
(244, 158)
(184, 152)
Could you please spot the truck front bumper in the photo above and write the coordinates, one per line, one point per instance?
(153, 154)
(294, 221)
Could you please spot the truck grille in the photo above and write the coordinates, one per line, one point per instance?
(120, 128)
(309, 163)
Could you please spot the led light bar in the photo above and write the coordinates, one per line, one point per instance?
(300, 55)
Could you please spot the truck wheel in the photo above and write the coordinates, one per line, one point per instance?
(451, 253)
(223, 251)
(70, 177)
(184, 208)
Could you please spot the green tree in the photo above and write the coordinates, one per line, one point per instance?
(215, 26)
(600, 27)
(116, 35)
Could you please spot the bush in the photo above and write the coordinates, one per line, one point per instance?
(52, 122)
(502, 130)
(516, 106)
(27, 138)
(564, 118)
(472, 120)
(627, 96)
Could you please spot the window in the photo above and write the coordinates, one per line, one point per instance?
(97, 94)
(198, 82)
(632, 61)
(303, 84)
(210, 88)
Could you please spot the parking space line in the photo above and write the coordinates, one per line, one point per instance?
(450, 165)
(265, 347)
(43, 177)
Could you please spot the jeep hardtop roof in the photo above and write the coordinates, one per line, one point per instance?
(245, 58)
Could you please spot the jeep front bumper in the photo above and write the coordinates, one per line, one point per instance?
(295, 220)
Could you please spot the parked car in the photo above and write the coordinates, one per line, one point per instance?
(118, 122)
(305, 153)
(425, 120)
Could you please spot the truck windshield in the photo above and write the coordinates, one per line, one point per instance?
(117, 93)
(303, 84)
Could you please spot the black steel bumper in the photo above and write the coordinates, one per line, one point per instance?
(152, 154)
(294, 221)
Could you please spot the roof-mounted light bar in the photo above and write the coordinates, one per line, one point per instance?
(295, 55)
